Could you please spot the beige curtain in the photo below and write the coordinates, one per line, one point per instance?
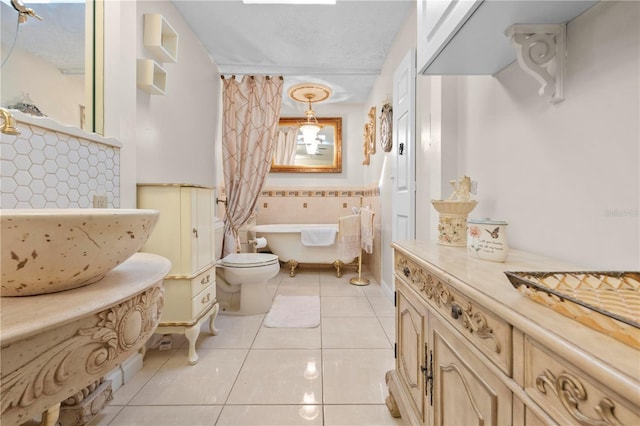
(251, 108)
(285, 151)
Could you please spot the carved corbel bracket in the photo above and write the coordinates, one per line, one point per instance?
(541, 51)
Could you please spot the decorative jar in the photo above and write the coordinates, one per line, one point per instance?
(487, 239)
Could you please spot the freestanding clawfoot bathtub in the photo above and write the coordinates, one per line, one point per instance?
(285, 241)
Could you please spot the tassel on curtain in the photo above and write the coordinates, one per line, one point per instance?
(251, 108)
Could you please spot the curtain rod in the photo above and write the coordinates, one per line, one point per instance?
(233, 77)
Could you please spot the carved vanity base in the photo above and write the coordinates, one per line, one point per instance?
(55, 345)
(83, 407)
(390, 401)
(397, 401)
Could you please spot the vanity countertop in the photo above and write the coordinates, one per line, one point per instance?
(486, 282)
(51, 311)
(53, 125)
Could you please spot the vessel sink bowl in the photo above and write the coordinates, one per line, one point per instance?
(454, 207)
(50, 250)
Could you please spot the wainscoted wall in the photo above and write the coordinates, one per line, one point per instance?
(299, 205)
(316, 205)
(49, 165)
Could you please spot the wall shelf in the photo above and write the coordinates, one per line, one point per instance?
(160, 38)
(151, 77)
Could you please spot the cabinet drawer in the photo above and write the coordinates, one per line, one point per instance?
(203, 280)
(490, 334)
(569, 395)
(181, 306)
(204, 299)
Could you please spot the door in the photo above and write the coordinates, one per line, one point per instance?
(203, 224)
(404, 124)
(410, 335)
(465, 391)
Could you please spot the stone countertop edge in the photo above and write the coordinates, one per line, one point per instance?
(485, 282)
(50, 311)
(55, 126)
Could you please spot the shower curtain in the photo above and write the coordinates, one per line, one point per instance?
(285, 151)
(251, 108)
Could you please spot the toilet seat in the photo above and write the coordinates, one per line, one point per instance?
(249, 260)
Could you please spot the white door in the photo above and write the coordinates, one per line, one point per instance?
(404, 141)
(204, 254)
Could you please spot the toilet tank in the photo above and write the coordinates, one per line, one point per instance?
(218, 227)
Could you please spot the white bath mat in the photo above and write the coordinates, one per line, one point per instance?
(294, 312)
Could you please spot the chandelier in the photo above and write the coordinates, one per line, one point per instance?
(310, 93)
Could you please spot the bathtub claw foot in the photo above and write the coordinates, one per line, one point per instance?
(338, 264)
(292, 265)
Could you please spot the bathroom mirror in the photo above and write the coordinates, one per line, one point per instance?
(292, 155)
(50, 69)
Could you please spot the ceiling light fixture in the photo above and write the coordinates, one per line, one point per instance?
(309, 93)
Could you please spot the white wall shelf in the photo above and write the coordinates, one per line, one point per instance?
(468, 37)
(160, 38)
(151, 77)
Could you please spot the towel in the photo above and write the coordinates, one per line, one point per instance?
(349, 236)
(318, 236)
(366, 229)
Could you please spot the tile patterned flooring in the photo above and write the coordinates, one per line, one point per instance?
(252, 375)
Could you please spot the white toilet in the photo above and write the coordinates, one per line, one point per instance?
(241, 279)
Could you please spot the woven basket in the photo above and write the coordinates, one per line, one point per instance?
(605, 301)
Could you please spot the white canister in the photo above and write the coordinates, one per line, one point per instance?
(487, 239)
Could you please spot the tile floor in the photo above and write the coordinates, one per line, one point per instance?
(253, 375)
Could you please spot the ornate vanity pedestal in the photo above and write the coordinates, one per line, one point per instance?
(470, 349)
(56, 345)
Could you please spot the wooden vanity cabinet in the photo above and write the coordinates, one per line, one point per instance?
(185, 235)
(465, 390)
(471, 350)
(444, 382)
(412, 323)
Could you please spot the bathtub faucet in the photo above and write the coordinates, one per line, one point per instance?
(9, 125)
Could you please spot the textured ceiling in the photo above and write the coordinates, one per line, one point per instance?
(343, 46)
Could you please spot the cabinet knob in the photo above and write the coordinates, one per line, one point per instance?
(195, 232)
(406, 271)
(205, 280)
(456, 311)
(206, 298)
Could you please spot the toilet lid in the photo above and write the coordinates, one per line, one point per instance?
(249, 260)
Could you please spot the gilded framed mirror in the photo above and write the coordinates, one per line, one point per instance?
(292, 154)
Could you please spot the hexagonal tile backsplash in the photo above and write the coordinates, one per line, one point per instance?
(42, 168)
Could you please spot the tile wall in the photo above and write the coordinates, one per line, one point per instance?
(317, 205)
(43, 168)
(295, 205)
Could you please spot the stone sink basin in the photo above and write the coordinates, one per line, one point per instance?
(454, 207)
(49, 250)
